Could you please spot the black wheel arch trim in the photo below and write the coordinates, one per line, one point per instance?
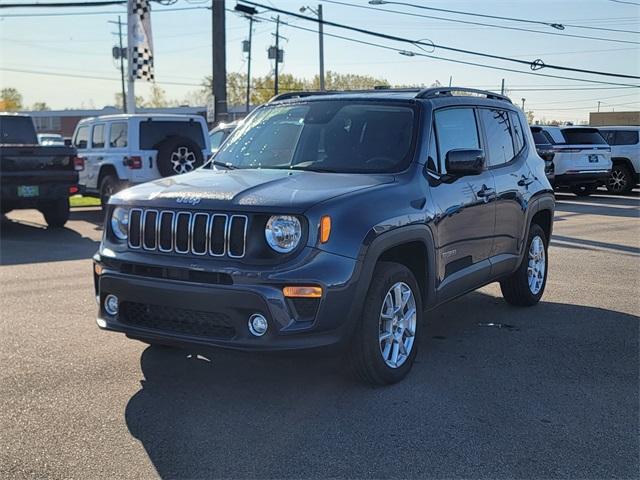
(543, 201)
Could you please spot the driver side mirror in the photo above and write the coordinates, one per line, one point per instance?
(464, 162)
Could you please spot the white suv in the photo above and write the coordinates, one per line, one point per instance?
(122, 150)
(625, 155)
(581, 156)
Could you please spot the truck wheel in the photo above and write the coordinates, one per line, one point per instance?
(620, 180)
(386, 340)
(56, 213)
(584, 189)
(177, 155)
(110, 185)
(526, 286)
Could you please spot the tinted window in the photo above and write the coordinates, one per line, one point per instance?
(517, 132)
(539, 137)
(216, 138)
(626, 137)
(456, 129)
(82, 137)
(609, 136)
(118, 135)
(335, 136)
(16, 130)
(498, 130)
(152, 132)
(97, 137)
(582, 136)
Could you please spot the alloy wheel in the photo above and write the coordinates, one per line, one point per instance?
(397, 325)
(537, 265)
(617, 180)
(183, 160)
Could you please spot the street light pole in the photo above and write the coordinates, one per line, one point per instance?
(523, 100)
(321, 45)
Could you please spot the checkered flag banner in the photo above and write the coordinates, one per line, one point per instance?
(139, 24)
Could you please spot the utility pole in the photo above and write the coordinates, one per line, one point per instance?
(321, 46)
(248, 106)
(219, 71)
(275, 89)
(131, 95)
(502, 88)
(450, 79)
(120, 53)
(523, 100)
(599, 105)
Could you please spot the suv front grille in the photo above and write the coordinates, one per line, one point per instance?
(177, 320)
(188, 233)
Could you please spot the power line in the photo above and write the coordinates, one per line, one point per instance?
(492, 67)
(68, 14)
(535, 65)
(100, 3)
(493, 25)
(556, 25)
(623, 1)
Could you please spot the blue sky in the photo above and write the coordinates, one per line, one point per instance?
(81, 45)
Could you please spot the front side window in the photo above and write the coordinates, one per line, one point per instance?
(118, 135)
(333, 136)
(456, 129)
(82, 137)
(498, 130)
(97, 137)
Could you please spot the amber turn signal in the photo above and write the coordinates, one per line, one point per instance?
(97, 268)
(325, 228)
(302, 292)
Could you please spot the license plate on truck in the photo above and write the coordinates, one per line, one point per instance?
(26, 191)
(593, 158)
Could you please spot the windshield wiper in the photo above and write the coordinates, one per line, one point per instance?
(228, 166)
(313, 169)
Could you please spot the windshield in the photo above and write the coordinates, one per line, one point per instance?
(332, 136)
(583, 136)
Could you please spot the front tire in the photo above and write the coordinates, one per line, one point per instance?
(56, 213)
(109, 185)
(526, 286)
(386, 340)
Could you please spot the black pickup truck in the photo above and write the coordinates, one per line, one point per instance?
(35, 176)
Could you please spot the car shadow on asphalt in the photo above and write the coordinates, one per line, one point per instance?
(494, 389)
(25, 242)
(609, 205)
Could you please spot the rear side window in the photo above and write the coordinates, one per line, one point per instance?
(625, 137)
(118, 135)
(82, 137)
(499, 141)
(582, 136)
(97, 137)
(456, 128)
(153, 132)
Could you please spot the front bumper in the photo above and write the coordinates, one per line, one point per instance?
(582, 177)
(198, 309)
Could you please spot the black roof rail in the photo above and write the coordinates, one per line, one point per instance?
(436, 92)
(377, 89)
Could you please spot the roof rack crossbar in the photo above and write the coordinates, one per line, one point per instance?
(435, 92)
(302, 94)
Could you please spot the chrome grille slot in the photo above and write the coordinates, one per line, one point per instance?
(188, 233)
(135, 228)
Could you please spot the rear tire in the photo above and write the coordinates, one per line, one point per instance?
(391, 322)
(585, 189)
(620, 181)
(56, 213)
(520, 289)
(109, 185)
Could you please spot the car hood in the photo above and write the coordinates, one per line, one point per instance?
(247, 189)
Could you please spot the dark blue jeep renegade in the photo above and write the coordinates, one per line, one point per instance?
(332, 218)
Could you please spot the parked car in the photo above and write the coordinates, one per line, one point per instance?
(625, 155)
(50, 139)
(219, 134)
(581, 157)
(124, 150)
(544, 147)
(34, 175)
(332, 220)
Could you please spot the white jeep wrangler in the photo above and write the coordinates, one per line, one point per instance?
(123, 150)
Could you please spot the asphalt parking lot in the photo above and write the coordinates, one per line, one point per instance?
(497, 392)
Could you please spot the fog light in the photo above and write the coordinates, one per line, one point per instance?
(258, 325)
(111, 304)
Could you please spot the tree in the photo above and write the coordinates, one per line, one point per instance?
(10, 99)
(158, 98)
(118, 100)
(40, 107)
(530, 117)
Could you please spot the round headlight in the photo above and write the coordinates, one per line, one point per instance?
(283, 233)
(120, 223)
